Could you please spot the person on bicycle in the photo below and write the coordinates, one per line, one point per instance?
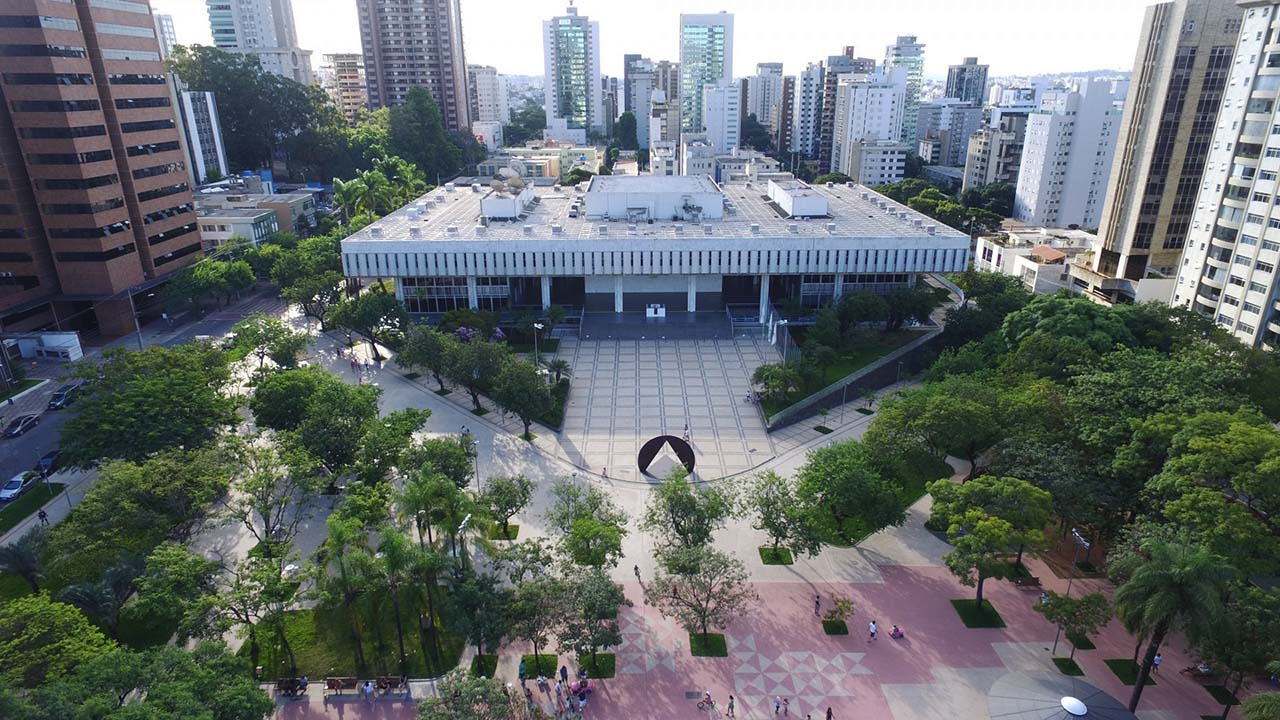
(706, 698)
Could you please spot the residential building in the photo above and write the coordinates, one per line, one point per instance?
(574, 89)
(967, 81)
(663, 160)
(638, 86)
(611, 90)
(837, 65)
(548, 159)
(907, 53)
(1179, 76)
(262, 29)
(706, 58)
(666, 77)
(1228, 272)
(222, 225)
(95, 204)
(764, 94)
(342, 76)
(697, 155)
(415, 42)
(631, 101)
(293, 212)
(166, 34)
(946, 124)
(994, 153)
(1066, 156)
(202, 133)
(806, 111)
(487, 95)
(722, 116)
(660, 111)
(868, 113)
(686, 244)
(782, 134)
(488, 134)
(1039, 257)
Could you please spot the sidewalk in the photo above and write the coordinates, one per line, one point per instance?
(59, 506)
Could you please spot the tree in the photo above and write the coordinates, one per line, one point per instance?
(462, 696)
(40, 638)
(847, 496)
(577, 175)
(280, 399)
(317, 295)
(474, 365)
(428, 349)
(346, 575)
(590, 525)
(1246, 639)
(1025, 506)
(418, 135)
(480, 612)
(592, 619)
(536, 608)
(1263, 706)
(1077, 617)
(681, 514)
(385, 441)
(525, 560)
(835, 177)
(624, 131)
(157, 398)
(593, 543)
(777, 381)
(520, 389)
(527, 123)
(958, 413)
(273, 494)
(978, 540)
(558, 368)
(755, 135)
(710, 591)
(505, 496)
(1179, 588)
(270, 337)
(571, 501)
(104, 599)
(394, 561)
(336, 418)
(781, 515)
(370, 315)
(448, 456)
(177, 583)
(22, 557)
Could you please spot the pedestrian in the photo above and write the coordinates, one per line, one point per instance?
(729, 710)
(564, 674)
(777, 704)
(829, 714)
(44, 517)
(817, 604)
(353, 363)
(522, 673)
(604, 472)
(1155, 664)
(636, 570)
(559, 686)
(871, 631)
(786, 707)
(368, 690)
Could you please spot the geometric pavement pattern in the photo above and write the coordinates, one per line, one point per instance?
(808, 679)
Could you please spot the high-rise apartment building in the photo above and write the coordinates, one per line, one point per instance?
(202, 132)
(573, 89)
(994, 153)
(806, 111)
(706, 58)
(1228, 272)
(1066, 156)
(415, 42)
(263, 29)
(638, 87)
(343, 78)
(642, 64)
(868, 125)
(722, 116)
(166, 34)
(782, 136)
(967, 81)
(487, 94)
(1179, 76)
(947, 123)
(907, 53)
(666, 77)
(846, 63)
(764, 94)
(610, 89)
(95, 207)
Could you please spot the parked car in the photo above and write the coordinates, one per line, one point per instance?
(17, 485)
(48, 463)
(21, 424)
(64, 396)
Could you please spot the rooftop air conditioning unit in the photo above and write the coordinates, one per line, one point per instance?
(755, 228)
(375, 232)
(864, 195)
(451, 230)
(678, 228)
(793, 227)
(830, 184)
(557, 229)
(415, 231)
(448, 187)
(848, 183)
(930, 229)
(917, 222)
(480, 229)
(604, 229)
(556, 188)
(475, 187)
(706, 228)
(831, 227)
(528, 229)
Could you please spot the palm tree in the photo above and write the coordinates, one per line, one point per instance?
(104, 599)
(346, 577)
(1179, 588)
(22, 557)
(395, 556)
(1263, 706)
(558, 368)
(346, 196)
(425, 565)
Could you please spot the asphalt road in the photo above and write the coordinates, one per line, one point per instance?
(20, 454)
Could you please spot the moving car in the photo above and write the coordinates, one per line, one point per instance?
(64, 396)
(17, 485)
(48, 463)
(21, 424)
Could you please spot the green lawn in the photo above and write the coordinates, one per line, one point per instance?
(974, 617)
(775, 556)
(554, 418)
(322, 643)
(709, 645)
(1080, 642)
(602, 666)
(484, 665)
(31, 501)
(1067, 666)
(22, 386)
(835, 627)
(870, 348)
(541, 664)
(1126, 670)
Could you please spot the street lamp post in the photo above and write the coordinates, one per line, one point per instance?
(537, 328)
(1075, 559)
(475, 457)
(462, 541)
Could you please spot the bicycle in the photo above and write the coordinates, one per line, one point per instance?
(706, 704)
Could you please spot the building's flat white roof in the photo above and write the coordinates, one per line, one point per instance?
(652, 184)
(851, 215)
(247, 213)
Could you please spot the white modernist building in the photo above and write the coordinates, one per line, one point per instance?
(487, 94)
(202, 130)
(722, 116)
(573, 91)
(806, 111)
(1066, 156)
(868, 122)
(263, 29)
(623, 243)
(764, 94)
(706, 58)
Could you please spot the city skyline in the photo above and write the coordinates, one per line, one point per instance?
(1010, 37)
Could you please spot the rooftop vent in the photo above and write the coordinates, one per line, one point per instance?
(528, 229)
(451, 230)
(917, 222)
(448, 187)
(706, 228)
(480, 230)
(604, 229)
(930, 229)
(475, 187)
(848, 183)
(831, 227)
(679, 228)
(439, 199)
(755, 228)
(415, 231)
(830, 184)
(864, 195)
(556, 188)
(557, 229)
(793, 227)
(375, 232)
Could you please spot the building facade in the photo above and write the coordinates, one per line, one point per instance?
(95, 205)
(967, 82)
(907, 53)
(343, 78)
(1066, 157)
(263, 29)
(1228, 272)
(782, 135)
(847, 63)
(806, 111)
(166, 34)
(868, 123)
(415, 42)
(666, 77)
(638, 87)
(202, 131)
(1179, 76)
(573, 90)
(487, 95)
(706, 58)
(947, 123)
(722, 116)
(764, 94)
(628, 242)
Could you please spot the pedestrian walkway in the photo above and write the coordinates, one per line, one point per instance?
(58, 506)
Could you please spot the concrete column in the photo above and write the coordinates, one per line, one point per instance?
(617, 293)
(764, 298)
(693, 293)
(546, 291)
(839, 286)
(473, 298)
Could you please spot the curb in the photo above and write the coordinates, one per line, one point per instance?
(31, 389)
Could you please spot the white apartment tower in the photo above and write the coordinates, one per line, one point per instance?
(487, 94)
(1228, 271)
(573, 88)
(722, 116)
(165, 33)
(908, 54)
(764, 94)
(1066, 157)
(638, 88)
(868, 124)
(706, 58)
(263, 29)
(202, 131)
(806, 111)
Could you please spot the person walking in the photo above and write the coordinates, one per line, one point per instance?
(44, 517)
(564, 674)
(729, 710)
(817, 604)
(636, 569)
(871, 631)
(1155, 663)
(520, 671)
(604, 472)
(829, 715)
(786, 707)
(777, 704)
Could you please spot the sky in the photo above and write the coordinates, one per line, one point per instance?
(1014, 37)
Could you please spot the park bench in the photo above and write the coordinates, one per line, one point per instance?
(287, 687)
(390, 685)
(1030, 581)
(341, 685)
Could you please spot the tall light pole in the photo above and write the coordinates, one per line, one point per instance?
(537, 328)
(475, 457)
(1075, 559)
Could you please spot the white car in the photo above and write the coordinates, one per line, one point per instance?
(17, 485)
